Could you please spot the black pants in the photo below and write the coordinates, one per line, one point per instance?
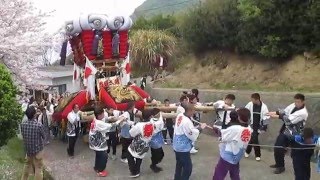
(170, 130)
(183, 166)
(72, 142)
(134, 164)
(254, 140)
(112, 142)
(156, 156)
(301, 167)
(125, 144)
(101, 160)
(279, 153)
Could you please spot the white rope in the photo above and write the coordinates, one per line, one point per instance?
(260, 145)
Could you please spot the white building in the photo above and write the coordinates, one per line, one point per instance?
(58, 78)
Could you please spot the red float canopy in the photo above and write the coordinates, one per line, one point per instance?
(65, 106)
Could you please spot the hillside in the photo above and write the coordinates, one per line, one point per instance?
(155, 7)
(229, 71)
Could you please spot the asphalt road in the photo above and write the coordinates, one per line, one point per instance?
(81, 167)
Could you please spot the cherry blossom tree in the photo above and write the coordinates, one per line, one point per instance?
(22, 39)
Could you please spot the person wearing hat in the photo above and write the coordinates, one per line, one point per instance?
(234, 141)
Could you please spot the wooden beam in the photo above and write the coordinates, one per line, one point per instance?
(174, 108)
(106, 61)
(108, 67)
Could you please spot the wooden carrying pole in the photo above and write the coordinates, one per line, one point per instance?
(174, 108)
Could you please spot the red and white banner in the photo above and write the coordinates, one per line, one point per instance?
(126, 71)
(89, 78)
(76, 73)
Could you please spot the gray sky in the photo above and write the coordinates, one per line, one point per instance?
(69, 9)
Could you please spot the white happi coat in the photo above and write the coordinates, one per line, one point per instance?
(184, 134)
(297, 116)
(263, 112)
(142, 133)
(234, 141)
(220, 104)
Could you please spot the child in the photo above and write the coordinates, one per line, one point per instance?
(194, 100)
(142, 133)
(111, 117)
(234, 141)
(98, 140)
(156, 144)
(126, 139)
(301, 157)
(168, 124)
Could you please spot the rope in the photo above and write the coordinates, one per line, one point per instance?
(260, 145)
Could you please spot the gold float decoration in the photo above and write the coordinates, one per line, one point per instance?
(123, 94)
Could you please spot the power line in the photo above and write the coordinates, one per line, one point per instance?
(169, 5)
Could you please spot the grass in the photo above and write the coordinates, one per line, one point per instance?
(11, 160)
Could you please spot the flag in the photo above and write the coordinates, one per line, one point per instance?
(126, 71)
(89, 78)
(88, 71)
(76, 72)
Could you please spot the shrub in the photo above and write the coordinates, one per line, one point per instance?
(144, 44)
(10, 110)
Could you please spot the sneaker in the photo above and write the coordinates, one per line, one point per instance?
(258, 159)
(102, 173)
(279, 170)
(95, 170)
(165, 143)
(193, 151)
(273, 166)
(155, 168)
(113, 157)
(124, 161)
(246, 155)
(134, 175)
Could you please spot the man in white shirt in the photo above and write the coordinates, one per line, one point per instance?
(73, 128)
(294, 117)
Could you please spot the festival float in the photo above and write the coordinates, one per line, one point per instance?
(100, 50)
(101, 58)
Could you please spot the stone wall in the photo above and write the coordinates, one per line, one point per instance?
(274, 101)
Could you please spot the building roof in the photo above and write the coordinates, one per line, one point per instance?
(56, 71)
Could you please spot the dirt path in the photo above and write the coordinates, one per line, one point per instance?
(81, 167)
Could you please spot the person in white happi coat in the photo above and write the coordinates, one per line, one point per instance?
(142, 133)
(294, 117)
(98, 140)
(223, 109)
(258, 122)
(184, 135)
(73, 128)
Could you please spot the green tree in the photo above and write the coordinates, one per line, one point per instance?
(10, 110)
(213, 24)
(274, 28)
(158, 22)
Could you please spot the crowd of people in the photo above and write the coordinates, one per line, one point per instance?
(140, 131)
